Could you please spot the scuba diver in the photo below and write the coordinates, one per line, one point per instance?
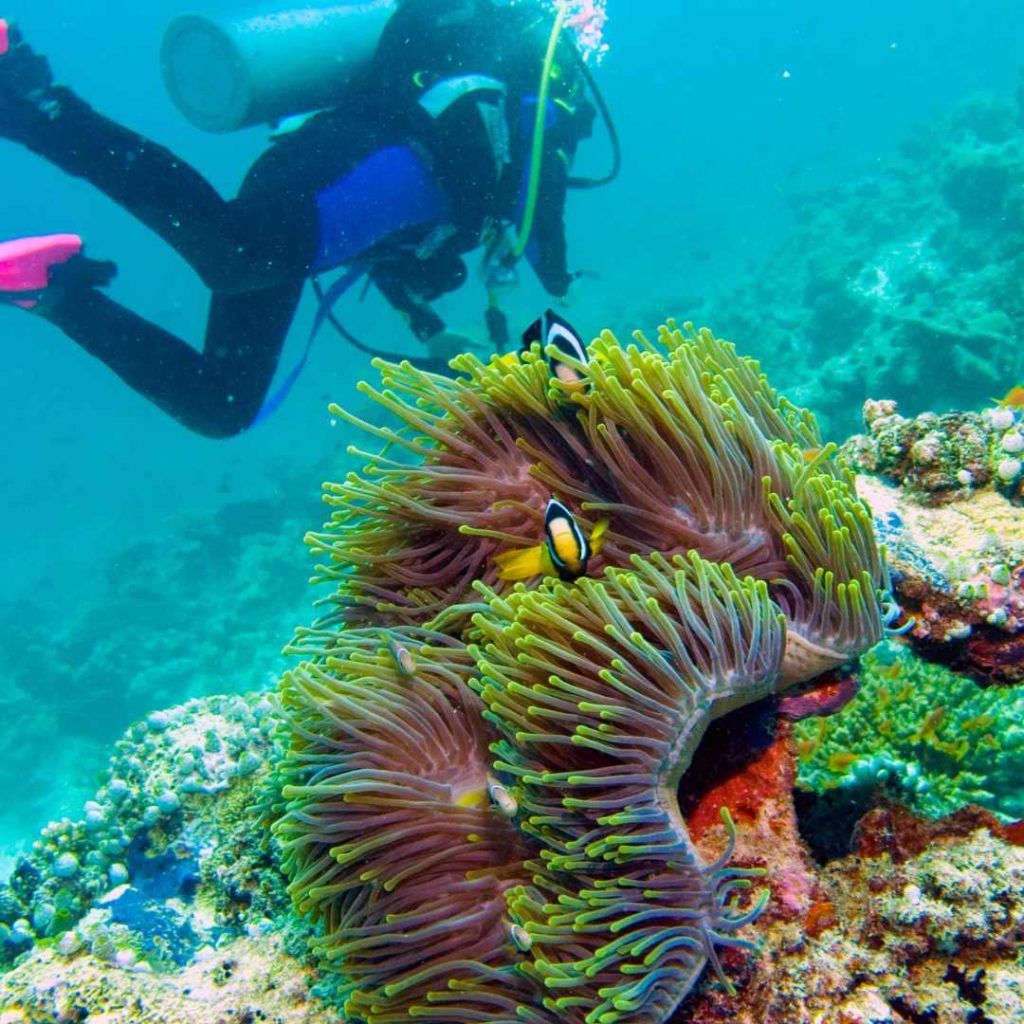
(463, 123)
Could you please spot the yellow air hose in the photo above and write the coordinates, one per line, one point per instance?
(537, 152)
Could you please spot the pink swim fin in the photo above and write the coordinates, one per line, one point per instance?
(5, 37)
(25, 265)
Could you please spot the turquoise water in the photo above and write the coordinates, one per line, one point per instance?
(143, 565)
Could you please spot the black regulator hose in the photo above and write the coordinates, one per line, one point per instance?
(423, 362)
(609, 124)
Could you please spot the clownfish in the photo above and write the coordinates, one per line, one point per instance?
(404, 660)
(554, 332)
(564, 553)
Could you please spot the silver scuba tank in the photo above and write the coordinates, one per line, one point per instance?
(227, 72)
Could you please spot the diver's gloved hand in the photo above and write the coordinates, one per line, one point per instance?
(573, 289)
(83, 272)
(27, 96)
(24, 74)
(65, 279)
(446, 344)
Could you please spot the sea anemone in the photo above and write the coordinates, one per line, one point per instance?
(600, 692)
(683, 444)
(480, 789)
(408, 538)
(392, 842)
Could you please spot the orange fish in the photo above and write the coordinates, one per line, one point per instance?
(1014, 398)
(841, 761)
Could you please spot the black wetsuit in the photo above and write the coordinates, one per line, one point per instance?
(255, 252)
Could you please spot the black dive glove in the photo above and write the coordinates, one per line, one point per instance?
(24, 74)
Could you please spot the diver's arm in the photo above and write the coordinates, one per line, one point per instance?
(547, 250)
(423, 321)
(431, 331)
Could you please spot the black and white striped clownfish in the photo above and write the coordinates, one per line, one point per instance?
(565, 552)
(554, 332)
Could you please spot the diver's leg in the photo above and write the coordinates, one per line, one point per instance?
(224, 245)
(217, 392)
(229, 247)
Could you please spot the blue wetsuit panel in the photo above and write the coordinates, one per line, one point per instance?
(390, 191)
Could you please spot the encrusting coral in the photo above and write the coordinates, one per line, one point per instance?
(480, 799)
(946, 495)
(931, 737)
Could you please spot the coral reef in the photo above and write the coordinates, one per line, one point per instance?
(945, 458)
(504, 801)
(929, 736)
(104, 880)
(935, 937)
(904, 282)
(248, 980)
(948, 511)
(925, 918)
(83, 668)
(161, 903)
(486, 775)
(745, 765)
